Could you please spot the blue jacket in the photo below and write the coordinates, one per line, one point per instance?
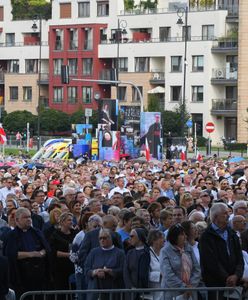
(170, 266)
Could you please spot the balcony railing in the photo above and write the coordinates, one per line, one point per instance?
(157, 40)
(107, 74)
(225, 44)
(157, 75)
(22, 44)
(224, 105)
(225, 73)
(230, 8)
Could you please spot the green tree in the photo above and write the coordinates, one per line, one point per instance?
(129, 4)
(153, 103)
(78, 117)
(53, 120)
(27, 9)
(17, 121)
(172, 121)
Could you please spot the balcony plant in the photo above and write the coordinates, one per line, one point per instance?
(129, 5)
(201, 4)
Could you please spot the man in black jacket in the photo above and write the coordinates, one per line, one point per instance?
(220, 252)
(4, 283)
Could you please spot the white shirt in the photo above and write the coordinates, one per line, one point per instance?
(4, 193)
(154, 274)
(118, 190)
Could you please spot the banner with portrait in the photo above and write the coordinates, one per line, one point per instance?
(109, 143)
(108, 113)
(150, 133)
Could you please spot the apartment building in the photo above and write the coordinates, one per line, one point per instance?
(19, 62)
(144, 45)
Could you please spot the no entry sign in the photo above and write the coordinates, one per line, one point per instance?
(210, 127)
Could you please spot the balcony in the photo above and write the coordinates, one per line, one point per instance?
(224, 107)
(157, 77)
(44, 102)
(226, 46)
(2, 77)
(107, 74)
(44, 79)
(148, 39)
(224, 76)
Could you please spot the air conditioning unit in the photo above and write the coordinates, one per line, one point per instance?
(220, 74)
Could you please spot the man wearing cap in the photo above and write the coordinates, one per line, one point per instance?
(120, 188)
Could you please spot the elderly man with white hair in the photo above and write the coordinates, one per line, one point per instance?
(69, 194)
(239, 208)
(220, 252)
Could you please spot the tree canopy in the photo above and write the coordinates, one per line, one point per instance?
(28, 9)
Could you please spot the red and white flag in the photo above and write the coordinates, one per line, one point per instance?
(148, 155)
(3, 138)
(199, 156)
(183, 155)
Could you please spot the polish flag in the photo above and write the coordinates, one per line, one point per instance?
(148, 155)
(198, 156)
(3, 138)
(183, 155)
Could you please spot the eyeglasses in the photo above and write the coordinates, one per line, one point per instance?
(245, 208)
(103, 238)
(9, 182)
(209, 183)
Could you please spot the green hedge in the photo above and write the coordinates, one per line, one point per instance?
(236, 146)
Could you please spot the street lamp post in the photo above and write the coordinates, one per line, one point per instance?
(121, 30)
(181, 11)
(35, 28)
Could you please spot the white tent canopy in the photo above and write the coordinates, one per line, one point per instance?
(157, 90)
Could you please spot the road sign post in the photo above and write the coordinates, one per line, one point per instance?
(209, 127)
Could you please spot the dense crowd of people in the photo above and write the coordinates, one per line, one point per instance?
(108, 225)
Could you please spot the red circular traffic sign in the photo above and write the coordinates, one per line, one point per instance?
(210, 127)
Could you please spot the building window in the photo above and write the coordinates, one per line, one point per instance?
(72, 94)
(102, 8)
(31, 65)
(1, 13)
(73, 68)
(207, 32)
(142, 64)
(88, 32)
(123, 64)
(197, 93)
(83, 9)
(233, 61)
(13, 66)
(198, 63)
(164, 34)
(87, 66)
(135, 94)
(57, 64)
(13, 93)
(57, 94)
(87, 94)
(188, 33)
(65, 10)
(176, 93)
(59, 34)
(10, 39)
(73, 39)
(176, 63)
(27, 93)
(122, 93)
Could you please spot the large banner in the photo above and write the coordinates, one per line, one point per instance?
(109, 144)
(108, 113)
(130, 114)
(150, 132)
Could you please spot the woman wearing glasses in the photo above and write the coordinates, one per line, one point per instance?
(104, 266)
(178, 264)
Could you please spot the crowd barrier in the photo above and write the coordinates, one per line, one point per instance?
(202, 293)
